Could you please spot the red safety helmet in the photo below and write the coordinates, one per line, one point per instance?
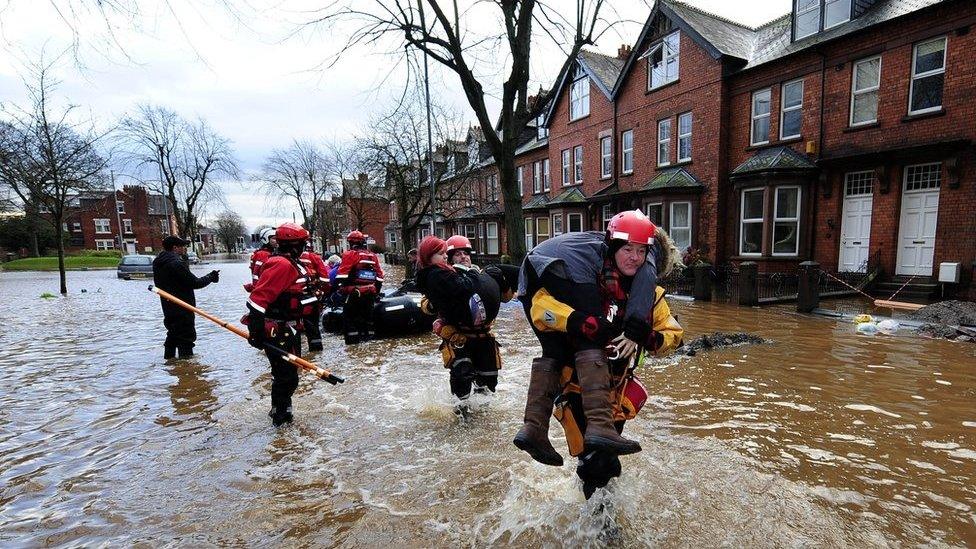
(356, 237)
(291, 232)
(632, 226)
(458, 242)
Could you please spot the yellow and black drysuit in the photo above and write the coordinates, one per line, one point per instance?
(596, 467)
(577, 301)
(466, 302)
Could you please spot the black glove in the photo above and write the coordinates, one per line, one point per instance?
(594, 328)
(214, 276)
(496, 274)
(637, 330)
(255, 330)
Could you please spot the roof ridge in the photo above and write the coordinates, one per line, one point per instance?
(773, 21)
(601, 54)
(710, 14)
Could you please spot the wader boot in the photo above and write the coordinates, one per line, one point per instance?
(169, 351)
(533, 437)
(593, 371)
(185, 352)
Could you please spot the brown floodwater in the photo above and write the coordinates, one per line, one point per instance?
(820, 437)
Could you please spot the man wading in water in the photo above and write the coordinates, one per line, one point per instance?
(171, 273)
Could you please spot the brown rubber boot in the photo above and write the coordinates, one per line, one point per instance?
(593, 371)
(533, 437)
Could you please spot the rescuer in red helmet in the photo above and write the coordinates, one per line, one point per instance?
(360, 279)
(318, 273)
(586, 294)
(283, 294)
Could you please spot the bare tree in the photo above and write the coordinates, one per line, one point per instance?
(302, 173)
(181, 160)
(229, 227)
(47, 159)
(446, 34)
(395, 152)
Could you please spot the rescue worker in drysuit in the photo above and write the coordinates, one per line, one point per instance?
(567, 287)
(268, 244)
(171, 273)
(360, 279)
(596, 467)
(318, 274)
(283, 295)
(466, 301)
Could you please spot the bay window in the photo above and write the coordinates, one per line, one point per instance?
(751, 222)
(655, 212)
(529, 230)
(557, 224)
(574, 223)
(541, 229)
(491, 234)
(680, 224)
(607, 215)
(786, 221)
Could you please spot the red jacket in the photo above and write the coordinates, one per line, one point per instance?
(258, 258)
(283, 291)
(317, 271)
(360, 269)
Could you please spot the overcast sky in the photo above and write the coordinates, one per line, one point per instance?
(237, 69)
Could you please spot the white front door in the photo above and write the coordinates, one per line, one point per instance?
(130, 247)
(919, 217)
(855, 225)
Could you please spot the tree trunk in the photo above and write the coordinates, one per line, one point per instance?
(409, 268)
(59, 233)
(514, 218)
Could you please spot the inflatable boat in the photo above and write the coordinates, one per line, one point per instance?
(395, 315)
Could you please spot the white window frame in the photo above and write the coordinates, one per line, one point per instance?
(664, 145)
(579, 95)
(538, 229)
(557, 224)
(120, 206)
(569, 222)
(670, 46)
(857, 93)
(685, 137)
(100, 223)
(823, 17)
(934, 72)
(545, 175)
(578, 164)
(647, 211)
(491, 241)
(672, 226)
(607, 215)
(127, 226)
(536, 177)
(937, 178)
(567, 170)
(627, 152)
(104, 244)
(783, 108)
(818, 7)
(799, 210)
(743, 221)
(518, 178)
(542, 132)
(529, 233)
(755, 117)
(859, 183)
(606, 162)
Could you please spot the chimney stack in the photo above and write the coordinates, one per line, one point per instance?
(623, 52)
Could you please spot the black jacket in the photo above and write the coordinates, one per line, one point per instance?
(172, 274)
(451, 292)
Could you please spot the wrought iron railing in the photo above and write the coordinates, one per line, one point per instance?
(679, 282)
(777, 286)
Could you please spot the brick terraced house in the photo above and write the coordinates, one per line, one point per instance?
(132, 220)
(842, 132)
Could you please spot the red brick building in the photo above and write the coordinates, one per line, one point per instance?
(132, 220)
(366, 209)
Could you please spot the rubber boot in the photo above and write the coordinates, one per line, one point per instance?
(593, 371)
(533, 437)
(280, 418)
(169, 351)
(185, 352)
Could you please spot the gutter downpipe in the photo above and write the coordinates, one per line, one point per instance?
(820, 154)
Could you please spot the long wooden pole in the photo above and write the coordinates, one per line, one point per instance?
(321, 373)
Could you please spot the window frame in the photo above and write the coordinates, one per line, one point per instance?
(607, 214)
(542, 132)
(107, 223)
(876, 89)
(127, 226)
(606, 160)
(627, 153)
(569, 222)
(104, 244)
(754, 117)
(518, 178)
(579, 95)
(538, 229)
(672, 227)
(911, 88)
(557, 230)
(783, 109)
(908, 167)
(823, 14)
(537, 177)
(578, 164)
(647, 212)
(666, 55)
(491, 241)
(546, 186)
(666, 143)
(567, 161)
(529, 226)
(776, 219)
(120, 206)
(687, 136)
(761, 220)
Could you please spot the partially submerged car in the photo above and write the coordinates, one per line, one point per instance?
(135, 266)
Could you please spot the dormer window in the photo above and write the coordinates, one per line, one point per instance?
(542, 132)
(662, 61)
(579, 95)
(813, 16)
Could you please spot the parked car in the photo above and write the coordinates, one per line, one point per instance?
(135, 266)
(192, 258)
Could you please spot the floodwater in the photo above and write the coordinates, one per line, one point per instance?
(818, 438)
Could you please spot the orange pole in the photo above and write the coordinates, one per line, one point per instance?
(321, 373)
